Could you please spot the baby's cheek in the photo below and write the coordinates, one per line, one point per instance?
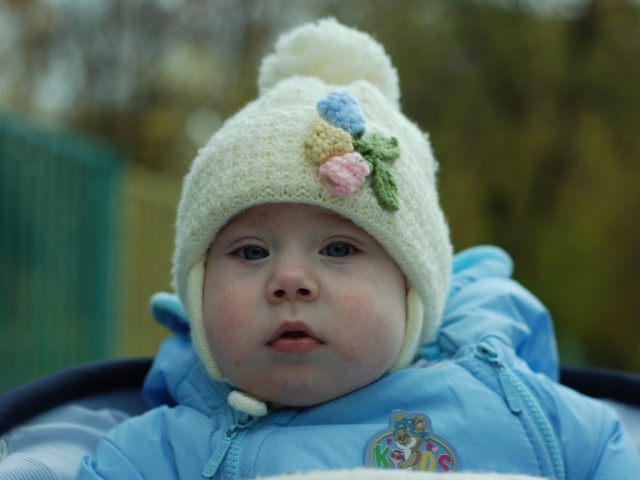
(225, 341)
(224, 320)
(224, 305)
(369, 326)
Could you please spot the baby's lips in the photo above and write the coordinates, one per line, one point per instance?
(293, 330)
(294, 338)
(296, 346)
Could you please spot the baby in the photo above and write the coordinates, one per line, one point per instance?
(321, 322)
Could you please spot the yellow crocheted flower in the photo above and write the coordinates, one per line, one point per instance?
(326, 140)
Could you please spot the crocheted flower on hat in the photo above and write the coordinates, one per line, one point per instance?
(342, 110)
(346, 173)
(325, 140)
(347, 156)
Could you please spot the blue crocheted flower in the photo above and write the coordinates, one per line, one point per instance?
(342, 110)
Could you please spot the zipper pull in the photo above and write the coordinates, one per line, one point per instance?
(221, 450)
(512, 398)
(217, 457)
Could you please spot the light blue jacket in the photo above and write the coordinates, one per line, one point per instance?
(482, 397)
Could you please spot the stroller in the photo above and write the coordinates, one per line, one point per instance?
(55, 420)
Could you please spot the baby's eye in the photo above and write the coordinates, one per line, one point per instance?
(338, 249)
(252, 252)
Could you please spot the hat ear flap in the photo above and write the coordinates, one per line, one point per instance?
(413, 331)
(195, 303)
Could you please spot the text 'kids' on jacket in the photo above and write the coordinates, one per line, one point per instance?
(482, 397)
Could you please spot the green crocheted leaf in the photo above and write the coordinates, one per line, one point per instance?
(377, 149)
(384, 186)
(378, 146)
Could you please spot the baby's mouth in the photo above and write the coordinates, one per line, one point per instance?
(294, 338)
(295, 334)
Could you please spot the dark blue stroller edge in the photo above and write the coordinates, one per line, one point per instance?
(24, 402)
(49, 424)
(603, 383)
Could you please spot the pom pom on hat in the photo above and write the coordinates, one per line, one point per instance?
(333, 53)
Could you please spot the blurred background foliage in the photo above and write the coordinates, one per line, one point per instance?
(533, 108)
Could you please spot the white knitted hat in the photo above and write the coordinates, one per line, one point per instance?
(326, 130)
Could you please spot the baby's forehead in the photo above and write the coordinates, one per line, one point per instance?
(301, 220)
(273, 213)
(292, 218)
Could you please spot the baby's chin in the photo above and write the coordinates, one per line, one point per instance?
(301, 384)
(297, 399)
(301, 394)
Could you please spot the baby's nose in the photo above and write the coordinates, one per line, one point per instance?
(300, 292)
(292, 283)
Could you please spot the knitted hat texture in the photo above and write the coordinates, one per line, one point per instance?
(326, 130)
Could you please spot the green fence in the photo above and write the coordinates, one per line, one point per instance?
(58, 220)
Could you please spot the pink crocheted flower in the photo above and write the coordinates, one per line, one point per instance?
(346, 173)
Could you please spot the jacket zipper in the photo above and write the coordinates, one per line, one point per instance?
(229, 447)
(518, 398)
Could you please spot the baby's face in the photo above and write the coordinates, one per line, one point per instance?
(300, 305)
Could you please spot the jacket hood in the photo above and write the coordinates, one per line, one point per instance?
(485, 302)
(177, 375)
